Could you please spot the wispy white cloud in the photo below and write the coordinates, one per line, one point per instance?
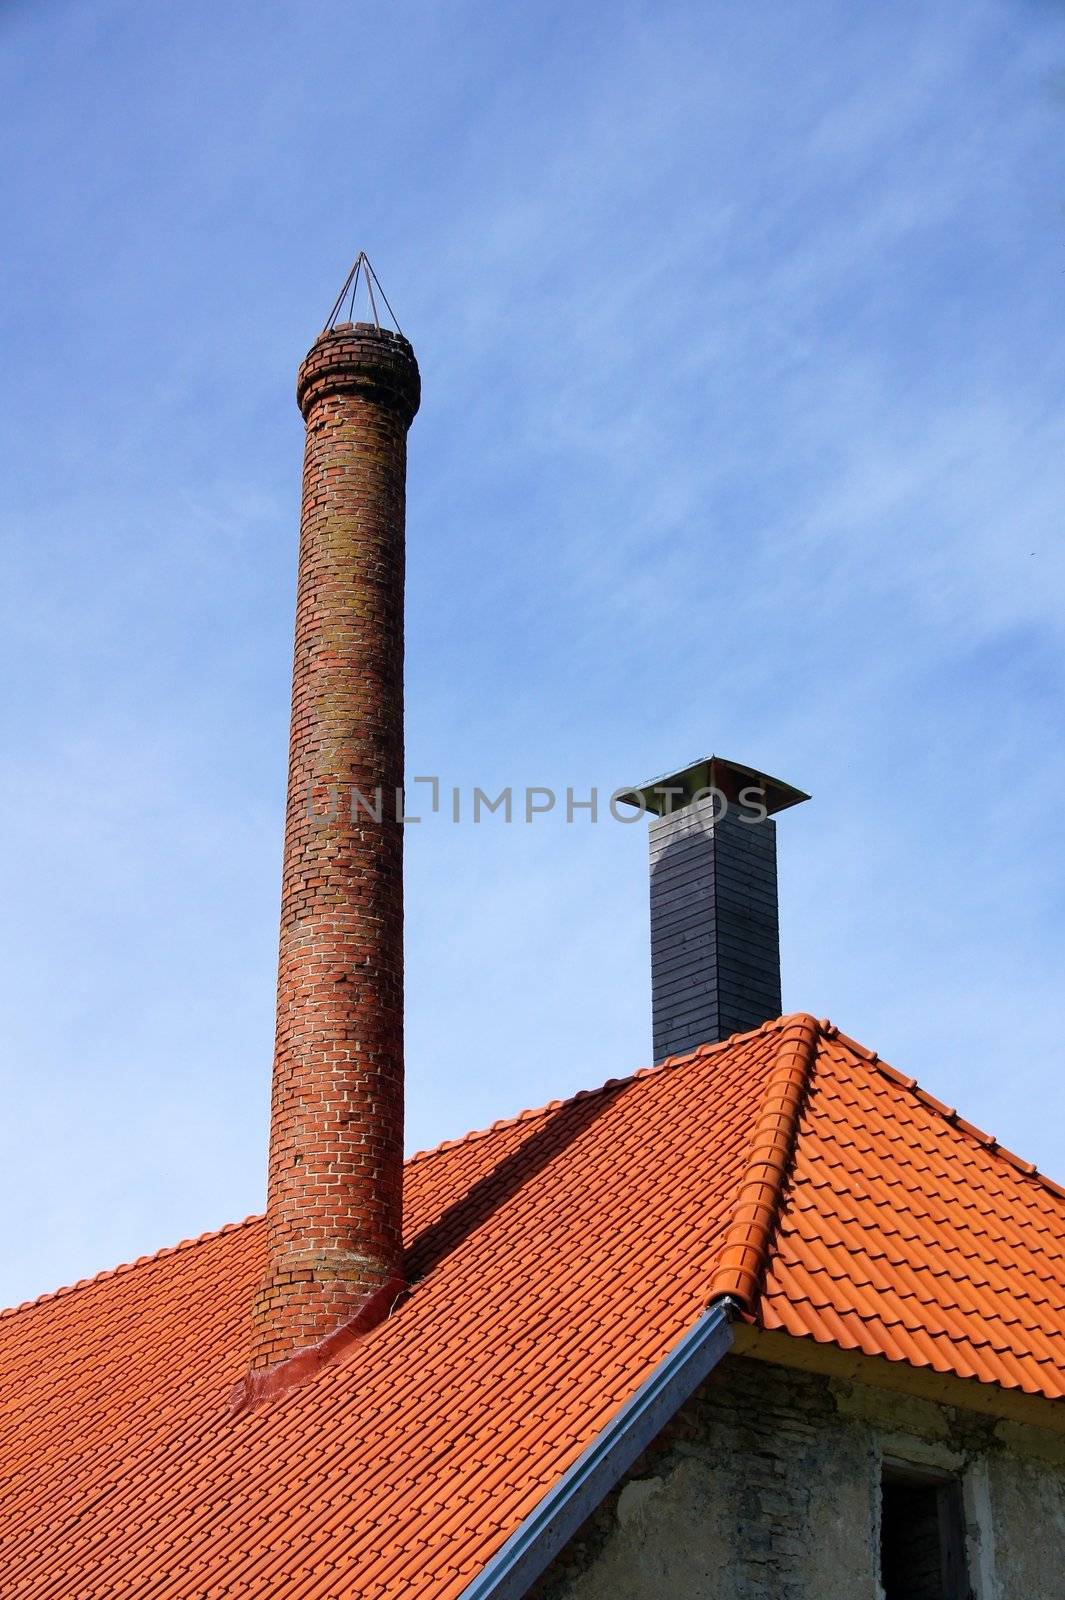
(741, 429)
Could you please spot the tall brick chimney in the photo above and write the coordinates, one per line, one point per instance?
(334, 1208)
(715, 947)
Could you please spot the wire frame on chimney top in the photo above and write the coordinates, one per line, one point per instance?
(362, 273)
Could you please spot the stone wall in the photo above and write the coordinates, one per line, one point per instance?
(767, 1487)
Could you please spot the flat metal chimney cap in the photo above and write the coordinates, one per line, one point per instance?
(712, 772)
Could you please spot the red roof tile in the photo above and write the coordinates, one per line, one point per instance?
(554, 1260)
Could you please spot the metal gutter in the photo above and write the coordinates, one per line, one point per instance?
(597, 1470)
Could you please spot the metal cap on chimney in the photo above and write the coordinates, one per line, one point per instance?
(715, 943)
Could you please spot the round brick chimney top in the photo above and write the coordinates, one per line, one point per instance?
(360, 358)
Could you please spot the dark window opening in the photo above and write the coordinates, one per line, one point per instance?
(922, 1536)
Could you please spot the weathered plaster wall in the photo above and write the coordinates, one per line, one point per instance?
(1026, 1490)
(766, 1487)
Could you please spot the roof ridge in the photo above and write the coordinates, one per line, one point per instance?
(774, 1025)
(987, 1141)
(127, 1266)
(418, 1156)
(742, 1262)
(531, 1114)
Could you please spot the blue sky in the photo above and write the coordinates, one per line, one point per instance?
(742, 430)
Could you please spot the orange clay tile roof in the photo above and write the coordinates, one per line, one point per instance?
(555, 1260)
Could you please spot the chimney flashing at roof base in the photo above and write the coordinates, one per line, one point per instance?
(261, 1385)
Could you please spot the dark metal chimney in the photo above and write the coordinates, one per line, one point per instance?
(715, 948)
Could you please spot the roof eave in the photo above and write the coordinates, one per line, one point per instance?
(599, 1468)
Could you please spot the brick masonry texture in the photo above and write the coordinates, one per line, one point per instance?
(334, 1203)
